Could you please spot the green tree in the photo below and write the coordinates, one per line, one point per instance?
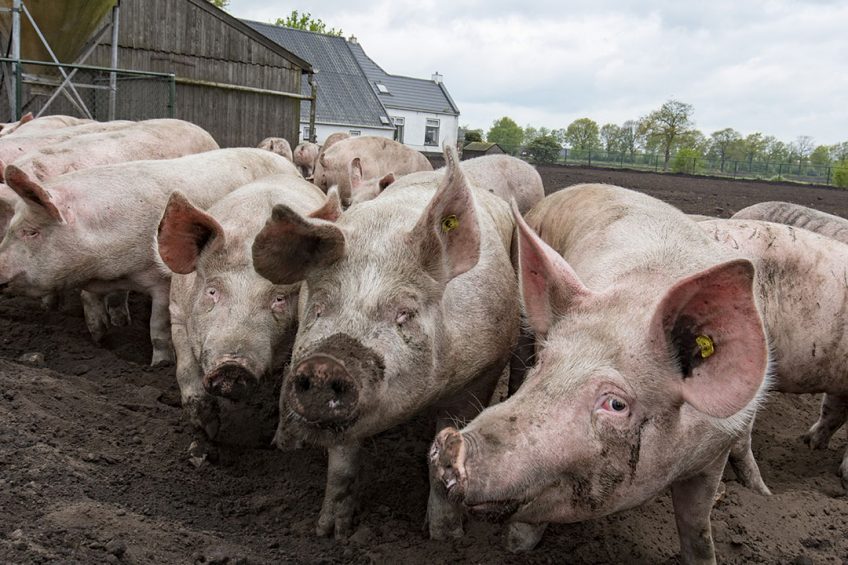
(686, 161)
(629, 137)
(544, 149)
(776, 151)
(473, 135)
(802, 147)
(695, 140)
(506, 133)
(820, 155)
(663, 126)
(582, 134)
(306, 22)
(723, 141)
(839, 152)
(220, 3)
(530, 133)
(840, 175)
(610, 135)
(754, 147)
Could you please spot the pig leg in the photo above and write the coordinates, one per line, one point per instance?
(340, 495)
(117, 305)
(834, 413)
(744, 465)
(522, 537)
(693, 501)
(160, 326)
(51, 302)
(443, 516)
(96, 317)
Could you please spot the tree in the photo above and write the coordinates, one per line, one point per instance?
(629, 137)
(582, 134)
(306, 22)
(776, 151)
(802, 147)
(695, 140)
(839, 152)
(820, 155)
(610, 137)
(544, 149)
(473, 135)
(723, 141)
(220, 3)
(754, 147)
(506, 133)
(530, 133)
(663, 126)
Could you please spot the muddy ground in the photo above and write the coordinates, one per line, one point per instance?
(93, 464)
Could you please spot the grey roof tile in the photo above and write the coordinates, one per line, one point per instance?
(344, 94)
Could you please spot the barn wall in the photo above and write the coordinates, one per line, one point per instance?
(180, 37)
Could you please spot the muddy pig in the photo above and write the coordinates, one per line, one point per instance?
(304, 157)
(802, 286)
(277, 145)
(799, 216)
(94, 229)
(409, 302)
(378, 156)
(232, 329)
(43, 123)
(651, 362)
(502, 175)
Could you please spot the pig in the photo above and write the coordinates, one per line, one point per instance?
(651, 361)
(150, 139)
(10, 127)
(16, 145)
(304, 157)
(408, 302)
(802, 278)
(378, 157)
(334, 138)
(277, 145)
(43, 124)
(232, 329)
(799, 216)
(502, 175)
(93, 229)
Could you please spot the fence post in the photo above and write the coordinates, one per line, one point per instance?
(656, 163)
(828, 174)
(590, 157)
(172, 95)
(735, 168)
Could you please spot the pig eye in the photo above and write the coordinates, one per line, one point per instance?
(212, 293)
(278, 303)
(404, 316)
(29, 233)
(614, 404)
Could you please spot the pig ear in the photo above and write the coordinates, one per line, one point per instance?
(8, 199)
(290, 246)
(28, 117)
(711, 324)
(447, 232)
(2, 171)
(331, 210)
(355, 171)
(386, 181)
(549, 285)
(33, 193)
(185, 231)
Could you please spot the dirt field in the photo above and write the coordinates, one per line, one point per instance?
(93, 464)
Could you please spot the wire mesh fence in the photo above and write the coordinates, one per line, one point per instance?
(83, 91)
(798, 171)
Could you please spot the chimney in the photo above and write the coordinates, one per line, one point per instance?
(352, 39)
(437, 78)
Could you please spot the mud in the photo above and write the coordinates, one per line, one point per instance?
(94, 464)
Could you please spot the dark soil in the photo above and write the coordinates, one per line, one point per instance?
(94, 466)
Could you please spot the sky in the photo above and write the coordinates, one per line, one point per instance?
(776, 67)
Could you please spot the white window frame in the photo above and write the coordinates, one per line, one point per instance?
(432, 123)
(355, 133)
(400, 127)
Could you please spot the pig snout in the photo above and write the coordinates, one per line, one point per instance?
(449, 471)
(323, 392)
(231, 380)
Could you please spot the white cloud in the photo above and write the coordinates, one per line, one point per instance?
(771, 66)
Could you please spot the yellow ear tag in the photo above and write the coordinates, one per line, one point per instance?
(449, 223)
(705, 345)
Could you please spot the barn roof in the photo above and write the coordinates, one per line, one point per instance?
(344, 95)
(480, 146)
(405, 93)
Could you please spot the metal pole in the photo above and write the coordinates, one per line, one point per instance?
(172, 95)
(16, 54)
(113, 76)
(828, 175)
(313, 136)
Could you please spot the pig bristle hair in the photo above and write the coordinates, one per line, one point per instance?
(738, 423)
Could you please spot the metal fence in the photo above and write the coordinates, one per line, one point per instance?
(84, 91)
(767, 170)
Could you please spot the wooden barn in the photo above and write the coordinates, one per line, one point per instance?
(230, 79)
(480, 148)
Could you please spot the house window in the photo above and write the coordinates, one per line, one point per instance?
(354, 132)
(431, 133)
(399, 123)
(382, 88)
(305, 133)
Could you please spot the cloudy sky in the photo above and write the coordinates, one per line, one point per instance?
(779, 67)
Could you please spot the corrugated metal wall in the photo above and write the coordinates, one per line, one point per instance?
(189, 39)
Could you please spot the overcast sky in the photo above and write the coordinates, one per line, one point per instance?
(779, 67)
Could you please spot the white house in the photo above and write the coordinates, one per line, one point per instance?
(355, 95)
